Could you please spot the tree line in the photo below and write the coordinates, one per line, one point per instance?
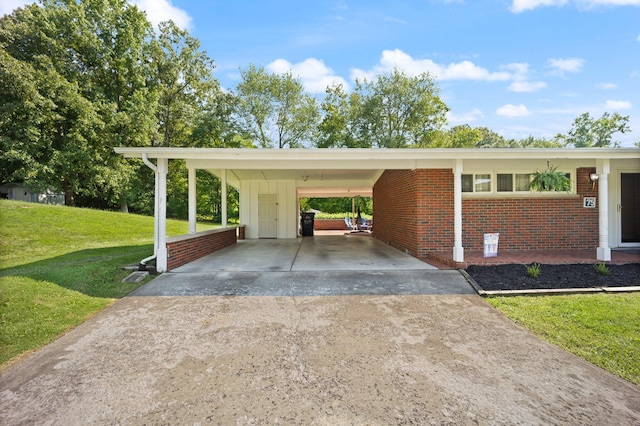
(80, 78)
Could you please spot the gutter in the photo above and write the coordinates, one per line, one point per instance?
(143, 263)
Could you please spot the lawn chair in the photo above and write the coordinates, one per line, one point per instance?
(363, 224)
(347, 222)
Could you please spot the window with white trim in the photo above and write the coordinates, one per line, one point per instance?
(513, 182)
(504, 182)
(480, 182)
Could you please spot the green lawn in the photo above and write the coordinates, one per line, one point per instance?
(601, 328)
(61, 265)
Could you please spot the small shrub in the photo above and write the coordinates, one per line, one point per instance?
(533, 270)
(602, 269)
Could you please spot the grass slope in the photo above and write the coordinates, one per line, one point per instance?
(601, 328)
(61, 265)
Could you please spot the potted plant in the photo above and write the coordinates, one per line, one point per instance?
(550, 180)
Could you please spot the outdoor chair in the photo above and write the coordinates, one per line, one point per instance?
(347, 222)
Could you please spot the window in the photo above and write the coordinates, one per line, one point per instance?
(504, 182)
(522, 182)
(476, 183)
(510, 182)
(483, 183)
(467, 183)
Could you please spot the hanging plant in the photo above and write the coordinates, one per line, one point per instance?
(550, 180)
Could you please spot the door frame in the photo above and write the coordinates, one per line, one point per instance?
(618, 210)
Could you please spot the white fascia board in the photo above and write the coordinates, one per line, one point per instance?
(342, 156)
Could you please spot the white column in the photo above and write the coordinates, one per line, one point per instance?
(223, 198)
(603, 170)
(458, 250)
(161, 259)
(192, 201)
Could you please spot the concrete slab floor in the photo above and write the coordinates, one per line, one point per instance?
(309, 266)
(318, 253)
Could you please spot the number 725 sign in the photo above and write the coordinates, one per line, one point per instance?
(589, 202)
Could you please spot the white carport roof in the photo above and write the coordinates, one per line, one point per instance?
(348, 172)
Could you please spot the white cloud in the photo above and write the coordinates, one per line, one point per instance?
(465, 70)
(561, 66)
(607, 86)
(313, 73)
(617, 105)
(526, 86)
(510, 110)
(523, 5)
(464, 117)
(8, 6)
(520, 76)
(162, 10)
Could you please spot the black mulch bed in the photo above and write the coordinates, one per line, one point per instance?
(514, 277)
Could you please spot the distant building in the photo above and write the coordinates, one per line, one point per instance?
(19, 192)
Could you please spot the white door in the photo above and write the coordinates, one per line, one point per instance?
(267, 216)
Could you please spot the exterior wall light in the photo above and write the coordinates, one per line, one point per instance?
(593, 177)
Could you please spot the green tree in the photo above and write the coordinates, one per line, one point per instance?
(182, 76)
(393, 111)
(462, 136)
(75, 70)
(491, 139)
(274, 109)
(341, 115)
(587, 132)
(533, 142)
(217, 125)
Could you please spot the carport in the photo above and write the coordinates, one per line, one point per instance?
(271, 182)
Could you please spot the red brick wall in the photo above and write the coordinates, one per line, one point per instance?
(413, 210)
(329, 224)
(189, 248)
(533, 223)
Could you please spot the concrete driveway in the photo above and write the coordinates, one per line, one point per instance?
(325, 360)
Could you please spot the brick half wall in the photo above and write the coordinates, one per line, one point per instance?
(187, 248)
(329, 225)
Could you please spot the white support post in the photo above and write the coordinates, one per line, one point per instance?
(192, 201)
(603, 170)
(223, 198)
(458, 250)
(161, 259)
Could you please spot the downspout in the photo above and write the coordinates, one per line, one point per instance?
(143, 262)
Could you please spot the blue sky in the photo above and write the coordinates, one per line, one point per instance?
(519, 67)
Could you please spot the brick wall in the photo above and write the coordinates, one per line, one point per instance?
(329, 225)
(187, 248)
(413, 211)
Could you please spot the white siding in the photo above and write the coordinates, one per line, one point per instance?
(287, 210)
